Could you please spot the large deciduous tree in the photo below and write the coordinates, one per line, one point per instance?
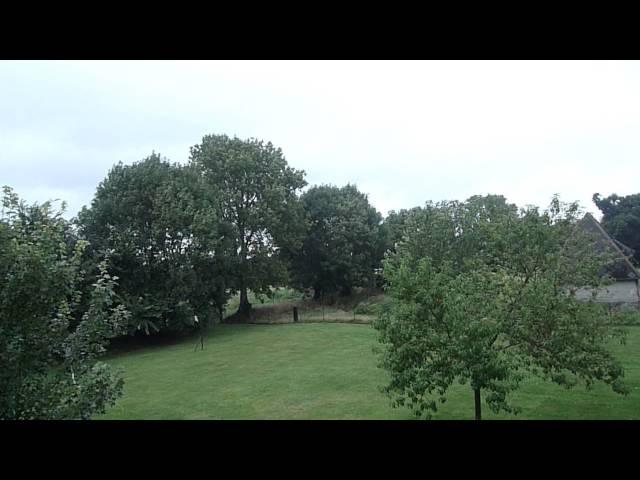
(258, 199)
(168, 245)
(621, 218)
(49, 343)
(343, 244)
(482, 294)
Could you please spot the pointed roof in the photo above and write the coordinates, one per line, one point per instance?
(628, 251)
(622, 269)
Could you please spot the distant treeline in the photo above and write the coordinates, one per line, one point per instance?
(183, 239)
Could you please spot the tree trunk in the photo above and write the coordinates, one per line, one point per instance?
(372, 284)
(476, 394)
(244, 306)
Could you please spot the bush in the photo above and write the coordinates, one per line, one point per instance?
(51, 333)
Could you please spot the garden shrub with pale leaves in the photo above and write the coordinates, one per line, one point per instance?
(49, 345)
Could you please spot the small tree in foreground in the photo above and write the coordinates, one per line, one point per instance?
(48, 349)
(482, 294)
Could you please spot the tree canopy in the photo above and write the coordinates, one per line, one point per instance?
(162, 226)
(395, 224)
(481, 293)
(343, 244)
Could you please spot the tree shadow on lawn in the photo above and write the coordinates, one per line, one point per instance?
(132, 343)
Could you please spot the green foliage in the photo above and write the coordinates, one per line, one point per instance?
(49, 360)
(395, 225)
(621, 219)
(343, 244)
(162, 226)
(482, 293)
(258, 200)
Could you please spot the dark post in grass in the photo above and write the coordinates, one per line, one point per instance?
(476, 393)
(295, 314)
(196, 321)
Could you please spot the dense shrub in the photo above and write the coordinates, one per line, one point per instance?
(50, 336)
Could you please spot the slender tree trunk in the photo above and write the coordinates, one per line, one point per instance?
(476, 394)
(244, 306)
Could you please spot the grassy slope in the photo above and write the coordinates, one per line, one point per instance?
(320, 371)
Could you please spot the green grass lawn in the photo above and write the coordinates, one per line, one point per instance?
(320, 371)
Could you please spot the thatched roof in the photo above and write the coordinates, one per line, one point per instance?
(621, 269)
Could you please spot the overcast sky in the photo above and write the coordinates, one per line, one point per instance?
(404, 132)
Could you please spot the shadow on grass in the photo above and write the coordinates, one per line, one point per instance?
(132, 343)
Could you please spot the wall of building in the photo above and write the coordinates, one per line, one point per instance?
(622, 291)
